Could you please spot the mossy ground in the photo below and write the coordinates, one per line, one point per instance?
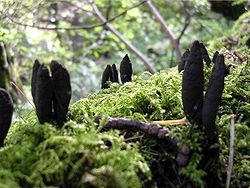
(78, 155)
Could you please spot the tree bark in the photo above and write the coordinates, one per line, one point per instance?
(8, 73)
(4, 69)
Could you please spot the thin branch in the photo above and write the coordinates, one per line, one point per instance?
(78, 7)
(231, 152)
(187, 22)
(87, 27)
(130, 46)
(59, 28)
(182, 121)
(108, 12)
(170, 34)
(150, 129)
(22, 93)
(186, 10)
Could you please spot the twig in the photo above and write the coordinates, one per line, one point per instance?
(231, 151)
(170, 34)
(56, 28)
(150, 129)
(78, 7)
(185, 7)
(87, 27)
(108, 12)
(13, 84)
(132, 138)
(130, 46)
(182, 121)
(187, 22)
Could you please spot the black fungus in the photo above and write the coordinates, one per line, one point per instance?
(6, 111)
(213, 97)
(204, 54)
(183, 60)
(61, 91)
(51, 94)
(126, 70)
(114, 77)
(216, 53)
(43, 94)
(106, 76)
(192, 84)
(34, 78)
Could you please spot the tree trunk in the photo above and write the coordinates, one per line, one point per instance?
(4, 69)
(8, 72)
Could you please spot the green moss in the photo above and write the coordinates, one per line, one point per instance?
(75, 156)
(156, 98)
(236, 101)
(78, 155)
(241, 28)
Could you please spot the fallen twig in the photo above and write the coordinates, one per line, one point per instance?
(231, 152)
(22, 93)
(150, 129)
(182, 121)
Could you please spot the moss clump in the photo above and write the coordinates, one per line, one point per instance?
(159, 97)
(78, 155)
(38, 155)
(236, 100)
(155, 98)
(241, 29)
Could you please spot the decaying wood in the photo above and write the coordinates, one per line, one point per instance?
(150, 129)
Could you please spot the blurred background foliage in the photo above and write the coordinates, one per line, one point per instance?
(70, 32)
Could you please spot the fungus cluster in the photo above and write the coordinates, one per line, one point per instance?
(51, 94)
(197, 108)
(111, 74)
